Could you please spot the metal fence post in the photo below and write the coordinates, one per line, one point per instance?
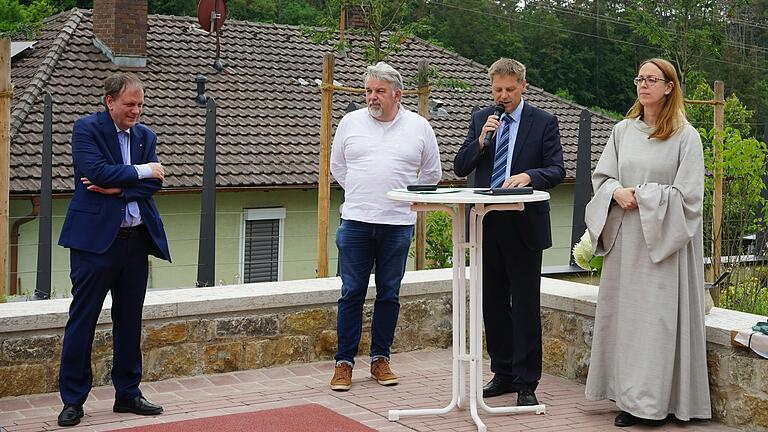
(43, 285)
(206, 258)
(583, 192)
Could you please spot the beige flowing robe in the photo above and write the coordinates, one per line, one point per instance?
(649, 343)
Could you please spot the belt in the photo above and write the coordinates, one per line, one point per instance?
(128, 232)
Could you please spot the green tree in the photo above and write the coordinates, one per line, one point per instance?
(477, 29)
(296, 12)
(23, 20)
(737, 115)
(388, 25)
(684, 30)
(173, 7)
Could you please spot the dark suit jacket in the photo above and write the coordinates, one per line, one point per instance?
(537, 152)
(93, 219)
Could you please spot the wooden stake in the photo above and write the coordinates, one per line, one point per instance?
(6, 93)
(324, 168)
(717, 193)
(421, 217)
(342, 24)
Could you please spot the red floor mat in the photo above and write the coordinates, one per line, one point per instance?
(300, 418)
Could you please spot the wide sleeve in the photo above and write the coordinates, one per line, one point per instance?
(671, 214)
(602, 215)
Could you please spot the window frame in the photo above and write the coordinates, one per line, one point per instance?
(271, 213)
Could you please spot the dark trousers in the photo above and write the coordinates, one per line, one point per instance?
(511, 302)
(361, 245)
(121, 270)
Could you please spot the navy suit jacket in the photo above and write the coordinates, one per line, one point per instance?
(93, 219)
(537, 152)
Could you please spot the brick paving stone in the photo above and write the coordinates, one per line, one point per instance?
(45, 400)
(223, 379)
(14, 404)
(425, 383)
(142, 421)
(225, 390)
(8, 417)
(162, 386)
(195, 383)
(102, 393)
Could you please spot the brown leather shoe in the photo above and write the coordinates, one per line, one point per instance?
(342, 377)
(381, 372)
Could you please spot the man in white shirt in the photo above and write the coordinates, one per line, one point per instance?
(376, 149)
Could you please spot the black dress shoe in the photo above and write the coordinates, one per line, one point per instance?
(625, 419)
(526, 397)
(71, 415)
(498, 386)
(137, 405)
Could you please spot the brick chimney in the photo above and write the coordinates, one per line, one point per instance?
(120, 31)
(355, 16)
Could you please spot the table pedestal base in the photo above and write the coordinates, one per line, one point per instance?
(464, 359)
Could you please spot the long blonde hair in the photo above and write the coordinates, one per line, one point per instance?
(672, 116)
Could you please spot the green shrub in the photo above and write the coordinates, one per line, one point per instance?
(747, 295)
(439, 242)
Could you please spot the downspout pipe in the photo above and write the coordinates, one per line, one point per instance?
(14, 282)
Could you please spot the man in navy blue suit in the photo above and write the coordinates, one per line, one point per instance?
(524, 150)
(111, 227)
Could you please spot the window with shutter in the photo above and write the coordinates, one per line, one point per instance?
(262, 245)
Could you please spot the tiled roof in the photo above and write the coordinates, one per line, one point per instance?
(268, 102)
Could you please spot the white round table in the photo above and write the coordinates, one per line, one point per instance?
(454, 201)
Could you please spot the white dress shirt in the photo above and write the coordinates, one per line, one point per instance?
(369, 158)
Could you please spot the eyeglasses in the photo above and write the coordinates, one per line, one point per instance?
(650, 81)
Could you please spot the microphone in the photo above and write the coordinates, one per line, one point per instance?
(498, 111)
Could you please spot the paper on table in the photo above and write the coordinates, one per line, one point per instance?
(436, 191)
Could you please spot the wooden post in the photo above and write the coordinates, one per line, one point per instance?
(717, 193)
(342, 24)
(324, 169)
(421, 217)
(6, 93)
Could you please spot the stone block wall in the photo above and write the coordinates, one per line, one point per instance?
(566, 342)
(738, 379)
(198, 345)
(220, 329)
(738, 385)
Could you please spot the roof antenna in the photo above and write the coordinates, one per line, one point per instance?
(211, 15)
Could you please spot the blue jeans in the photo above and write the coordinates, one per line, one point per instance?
(361, 245)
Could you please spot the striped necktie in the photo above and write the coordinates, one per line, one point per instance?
(500, 158)
(132, 212)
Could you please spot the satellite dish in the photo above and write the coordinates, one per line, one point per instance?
(211, 14)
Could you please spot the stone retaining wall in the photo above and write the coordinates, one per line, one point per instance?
(220, 329)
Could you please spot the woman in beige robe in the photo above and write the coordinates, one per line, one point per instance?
(649, 343)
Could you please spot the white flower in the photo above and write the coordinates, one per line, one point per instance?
(582, 253)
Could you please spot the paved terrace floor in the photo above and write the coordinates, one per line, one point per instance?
(425, 379)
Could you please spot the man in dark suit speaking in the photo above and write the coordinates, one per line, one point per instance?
(523, 150)
(111, 227)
